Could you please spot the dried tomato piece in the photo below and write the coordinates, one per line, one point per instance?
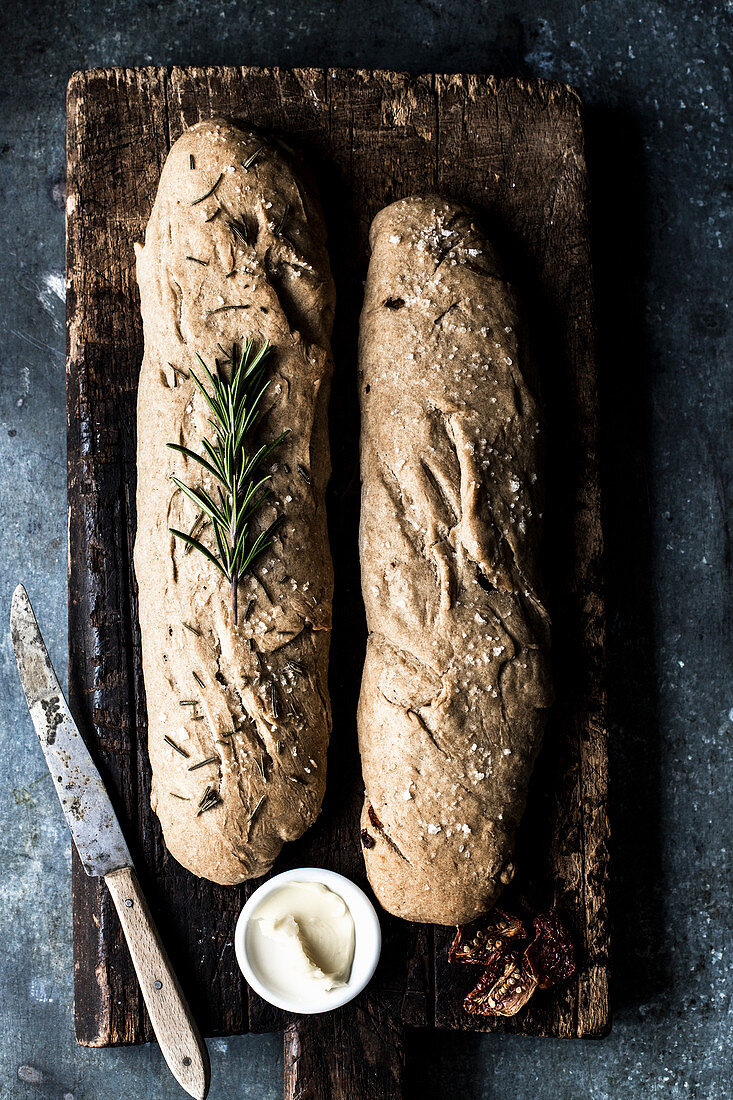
(505, 986)
(367, 839)
(479, 941)
(371, 814)
(551, 956)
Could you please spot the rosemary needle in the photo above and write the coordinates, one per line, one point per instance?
(239, 229)
(204, 263)
(256, 809)
(211, 798)
(281, 223)
(304, 474)
(203, 763)
(210, 191)
(247, 164)
(198, 680)
(169, 741)
(224, 309)
(192, 629)
(191, 162)
(195, 531)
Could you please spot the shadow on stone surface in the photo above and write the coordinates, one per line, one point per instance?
(620, 233)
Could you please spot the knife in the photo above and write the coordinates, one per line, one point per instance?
(104, 852)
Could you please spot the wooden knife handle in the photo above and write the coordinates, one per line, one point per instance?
(180, 1041)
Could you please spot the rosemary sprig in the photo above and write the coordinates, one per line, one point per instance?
(235, 407)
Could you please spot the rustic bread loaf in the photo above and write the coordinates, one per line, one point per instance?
(455, 685)
(235, 248)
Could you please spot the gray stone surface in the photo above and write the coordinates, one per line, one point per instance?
(655, 82)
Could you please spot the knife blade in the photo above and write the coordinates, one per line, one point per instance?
(87, 808)
(103, 850)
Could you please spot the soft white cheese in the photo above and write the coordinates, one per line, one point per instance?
(301, 941)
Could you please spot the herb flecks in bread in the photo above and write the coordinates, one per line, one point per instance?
(455, 685)
(232, 779)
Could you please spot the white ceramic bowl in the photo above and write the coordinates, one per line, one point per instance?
(367, 937)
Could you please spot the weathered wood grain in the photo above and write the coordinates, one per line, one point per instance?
(515, 151)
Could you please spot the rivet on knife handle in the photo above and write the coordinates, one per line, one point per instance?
(178, 1037)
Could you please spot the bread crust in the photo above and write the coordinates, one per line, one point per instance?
(266, 679)
(456, 682)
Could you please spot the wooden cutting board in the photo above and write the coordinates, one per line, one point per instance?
(514, 150)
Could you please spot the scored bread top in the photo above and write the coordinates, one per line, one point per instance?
(234, 249)
(456, 681)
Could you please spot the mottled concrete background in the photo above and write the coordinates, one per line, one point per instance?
(655, 82)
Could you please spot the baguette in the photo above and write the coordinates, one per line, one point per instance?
(456, 685)
(238, 716)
